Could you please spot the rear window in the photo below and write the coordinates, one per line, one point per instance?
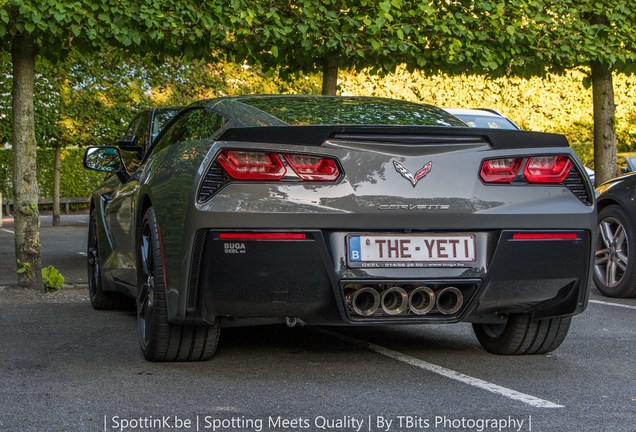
(321, 110)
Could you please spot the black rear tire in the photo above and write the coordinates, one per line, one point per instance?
(100, 299)
(523, 335)
(160, 340)
(614, 267)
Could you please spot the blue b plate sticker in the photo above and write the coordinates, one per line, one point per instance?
(354, 248)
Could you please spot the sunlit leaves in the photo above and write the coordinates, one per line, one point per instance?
(159, 26)
(359, 32)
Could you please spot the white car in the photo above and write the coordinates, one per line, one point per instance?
(482, 118)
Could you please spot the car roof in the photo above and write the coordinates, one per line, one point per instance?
(474, 111)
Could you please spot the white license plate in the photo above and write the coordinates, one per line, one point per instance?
(411, 250)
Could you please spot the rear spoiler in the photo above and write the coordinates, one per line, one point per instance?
(317, 135)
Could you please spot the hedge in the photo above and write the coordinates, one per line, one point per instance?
(75, 180)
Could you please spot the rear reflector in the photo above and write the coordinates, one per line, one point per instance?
(500, 170)
(248, 165)
(262, 236)
(313, 168)
(545, 236)
(547, 169)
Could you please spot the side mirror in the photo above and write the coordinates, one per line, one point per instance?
(105, 159)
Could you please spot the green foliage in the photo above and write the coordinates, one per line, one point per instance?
(576, 32)
(46, 103)
(96, 97)
(494, 37)
(300, 35)
(52, 278)
(25, 268)
(161, 27)
(75, 181)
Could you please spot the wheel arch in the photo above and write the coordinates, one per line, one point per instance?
(144, 204)
(600, 205)
(626, 205)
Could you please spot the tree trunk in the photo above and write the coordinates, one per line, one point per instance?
(604, 132)
(25, 185)
(330, 75)
(57, 168)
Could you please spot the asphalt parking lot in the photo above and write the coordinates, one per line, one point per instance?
(63, 246)
(66, 367)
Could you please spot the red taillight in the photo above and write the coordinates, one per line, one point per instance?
(537, 169)
(547, 169)
(545, 236)
(262, 236)
(249, 165)
(500, 170)
(267, 166)
(313, 168)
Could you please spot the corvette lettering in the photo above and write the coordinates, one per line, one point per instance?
(414, 207)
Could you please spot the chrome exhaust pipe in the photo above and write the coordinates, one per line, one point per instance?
(395, 300)
(421, 300)
(449, 300)
(365, 301)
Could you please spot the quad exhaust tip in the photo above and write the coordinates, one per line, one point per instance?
(422, 300)
(394, 301)
(365, 301)
(399, 301)
(449, 300)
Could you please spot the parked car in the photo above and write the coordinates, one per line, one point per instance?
(626, 162)
(483, 118)
(341, 211)
(614, 267)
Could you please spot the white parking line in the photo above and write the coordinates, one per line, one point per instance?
(6, 230)
(612, 304)
(83, 253)
(448, 373)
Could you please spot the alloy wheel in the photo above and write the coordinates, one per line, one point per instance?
(612, 254)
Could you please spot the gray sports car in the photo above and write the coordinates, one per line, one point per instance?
(341, 211)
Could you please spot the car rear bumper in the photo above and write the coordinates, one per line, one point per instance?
(248, 280)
